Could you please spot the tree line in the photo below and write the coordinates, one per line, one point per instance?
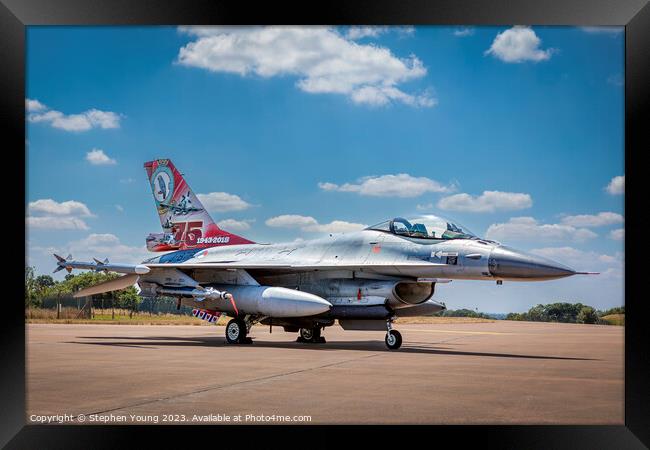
(463, 313)
(566, 313)
(42, 287)
(552, 312)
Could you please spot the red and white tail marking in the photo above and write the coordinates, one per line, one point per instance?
(185, 222)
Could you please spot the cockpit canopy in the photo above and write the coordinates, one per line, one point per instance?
(424, 227)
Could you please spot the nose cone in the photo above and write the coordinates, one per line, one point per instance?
(507, 263)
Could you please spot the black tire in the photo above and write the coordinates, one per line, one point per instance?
(393, 340)
(236, 331)
(310, 334)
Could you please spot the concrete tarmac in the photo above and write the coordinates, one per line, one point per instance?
(475, 373)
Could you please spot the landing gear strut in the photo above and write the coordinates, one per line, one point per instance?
(236, 332)
(393, 337)
(311, 335)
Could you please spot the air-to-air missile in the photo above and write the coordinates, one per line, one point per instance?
(98, 266)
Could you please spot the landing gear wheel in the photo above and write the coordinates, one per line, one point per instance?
(236, 332)
(311, 335)
(393, 340)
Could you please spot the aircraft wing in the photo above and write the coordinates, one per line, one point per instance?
(108, 286)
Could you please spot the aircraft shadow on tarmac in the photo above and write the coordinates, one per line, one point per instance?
(374, 345)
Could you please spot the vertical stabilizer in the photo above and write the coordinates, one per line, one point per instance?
(185, 222)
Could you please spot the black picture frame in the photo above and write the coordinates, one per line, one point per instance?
(633, 14)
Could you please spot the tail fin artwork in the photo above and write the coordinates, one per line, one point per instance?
(185, 222)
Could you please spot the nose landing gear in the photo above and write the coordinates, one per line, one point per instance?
(393, 337)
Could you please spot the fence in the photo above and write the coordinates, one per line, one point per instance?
(67, 307)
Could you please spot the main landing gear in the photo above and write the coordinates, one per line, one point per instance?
(311, 335)
(393, 337)
(236, 332)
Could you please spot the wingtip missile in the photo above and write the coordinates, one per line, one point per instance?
(69, 264)
(62, 263)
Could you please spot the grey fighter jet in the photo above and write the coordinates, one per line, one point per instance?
(364, 279)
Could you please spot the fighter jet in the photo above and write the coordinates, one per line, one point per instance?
(183, 207)
(364, 279)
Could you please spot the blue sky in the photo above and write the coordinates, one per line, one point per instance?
(516, 132)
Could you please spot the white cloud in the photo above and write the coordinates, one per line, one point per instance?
(406, 31)
(34, 105)
(50, 214)
(120, 208)
(97, 157)
(603, 30)
(527, 228)
(488, 201)
(591, 220)
(308, 223)
(92, 118)
(235, 225)
(56, 223)
(323, 60)
(400, 185)
(424, 207)
(618, 234)
(616, 186)
(291, 221)
(222, 201)
(463, 32)
(365, 31)
(336, 226)
(518, 44)
(52, 207)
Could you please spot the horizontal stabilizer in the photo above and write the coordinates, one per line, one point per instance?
(108, 286)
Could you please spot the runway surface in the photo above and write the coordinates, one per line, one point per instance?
(483, 373)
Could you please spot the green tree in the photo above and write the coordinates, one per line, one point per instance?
(537, 314)
(41, 284)
(30, 286)
(559, 312)
(616, 310)
(587, 314)
(128, 298)
(517, 316)
(562, 312)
